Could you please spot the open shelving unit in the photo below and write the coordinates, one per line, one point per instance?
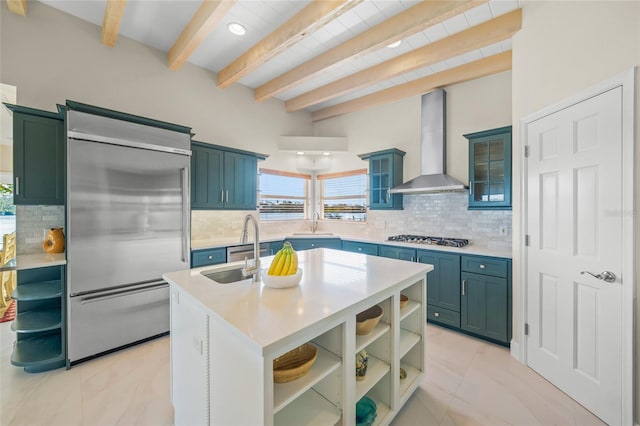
(328, 393)
(40, 324)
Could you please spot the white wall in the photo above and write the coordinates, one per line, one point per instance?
(565, 47)
(51, 56)
(472, 106)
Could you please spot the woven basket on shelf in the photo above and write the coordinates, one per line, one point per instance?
(294, 364)
(368, 319)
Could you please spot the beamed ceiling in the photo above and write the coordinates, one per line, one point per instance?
(330, 57)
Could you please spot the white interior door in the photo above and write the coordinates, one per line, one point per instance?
(574, 222)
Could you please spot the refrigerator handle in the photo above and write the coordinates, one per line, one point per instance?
(185, 214)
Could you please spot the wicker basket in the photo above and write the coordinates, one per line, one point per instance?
(403, 300)
(294, 364)
(367, 320)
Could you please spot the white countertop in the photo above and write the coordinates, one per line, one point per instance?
(332, 280)
(31, 261)
(470, 249)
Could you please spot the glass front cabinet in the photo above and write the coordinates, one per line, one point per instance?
(490, 169)
(385, 172)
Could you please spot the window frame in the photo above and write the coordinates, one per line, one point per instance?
(337, 175)
(306, 198)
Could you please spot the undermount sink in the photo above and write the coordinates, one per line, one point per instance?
(227, 276)
(312, 233)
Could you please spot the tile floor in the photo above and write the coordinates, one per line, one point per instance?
(468, 382)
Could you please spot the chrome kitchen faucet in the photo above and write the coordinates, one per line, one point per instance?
(255, 269)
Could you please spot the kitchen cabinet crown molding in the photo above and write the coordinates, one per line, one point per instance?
(118, 115)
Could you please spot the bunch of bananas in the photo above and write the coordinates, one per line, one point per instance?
(285, 262)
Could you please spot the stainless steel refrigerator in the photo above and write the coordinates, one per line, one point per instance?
(127, 223)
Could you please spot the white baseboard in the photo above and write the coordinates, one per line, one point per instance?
(515, 350)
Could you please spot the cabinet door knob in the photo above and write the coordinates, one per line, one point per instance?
(482, 266)
(210, 257)
(359, 248)
(436, 314)
(313, 245)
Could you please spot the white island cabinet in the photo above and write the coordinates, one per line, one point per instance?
(224, 338)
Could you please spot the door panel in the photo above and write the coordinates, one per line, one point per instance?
(125, 215)
(574, 220)
(106, 321)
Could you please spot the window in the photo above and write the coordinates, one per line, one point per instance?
(7, 210)
(283, 195)
(343, 195)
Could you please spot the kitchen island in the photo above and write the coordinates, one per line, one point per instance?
(224, 338)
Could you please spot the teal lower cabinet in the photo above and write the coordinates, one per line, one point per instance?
(486, 297)
(208, 257)
(357, 247)
(443, 288)
(274, 247)
(40, 324)
(399, 253)
(311, 243)
(484, 306)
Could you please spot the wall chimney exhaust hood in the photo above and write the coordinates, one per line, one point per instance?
(433, 158)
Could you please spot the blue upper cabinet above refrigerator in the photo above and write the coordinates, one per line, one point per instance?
(490, 169)
(38, 156)
(385, 172)
(223, 178)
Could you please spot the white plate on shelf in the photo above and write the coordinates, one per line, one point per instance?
(281, 281)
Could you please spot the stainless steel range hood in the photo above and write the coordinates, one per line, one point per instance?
(433, 147)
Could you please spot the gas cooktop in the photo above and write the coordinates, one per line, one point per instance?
(421, 239)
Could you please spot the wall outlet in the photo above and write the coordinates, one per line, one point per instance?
(503, 230)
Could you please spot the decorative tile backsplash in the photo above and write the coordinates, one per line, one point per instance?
(446, 215)
(442, 214)
(30, 224)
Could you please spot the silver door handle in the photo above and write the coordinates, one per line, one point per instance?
(185, 213)
(17, 188)
(470, 188)
(222, 195)
(605, 276)
(464, 286)
(227, 198)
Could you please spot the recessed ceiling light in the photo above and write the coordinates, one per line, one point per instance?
(326, 153)
(300, 153)
(395, 44)
(236, 28)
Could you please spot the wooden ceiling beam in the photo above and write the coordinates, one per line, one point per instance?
(477, 69)
(19, 7)
(206, 18)
(113, 13)
(314, 16)
(485, 34)
(417, 18)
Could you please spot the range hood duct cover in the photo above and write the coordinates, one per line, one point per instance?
(433, 157)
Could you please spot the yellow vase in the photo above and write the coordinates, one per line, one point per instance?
(54, 241)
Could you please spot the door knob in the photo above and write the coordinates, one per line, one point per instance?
(606, 276)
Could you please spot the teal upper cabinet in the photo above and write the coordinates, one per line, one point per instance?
(223, 178)
(385, 172)
(240, 181)
(490, 169)
(38, 157)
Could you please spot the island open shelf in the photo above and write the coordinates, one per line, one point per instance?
(230, 334)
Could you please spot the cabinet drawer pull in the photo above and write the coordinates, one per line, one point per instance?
(464, 286)
(436, 314)
(482, 266)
